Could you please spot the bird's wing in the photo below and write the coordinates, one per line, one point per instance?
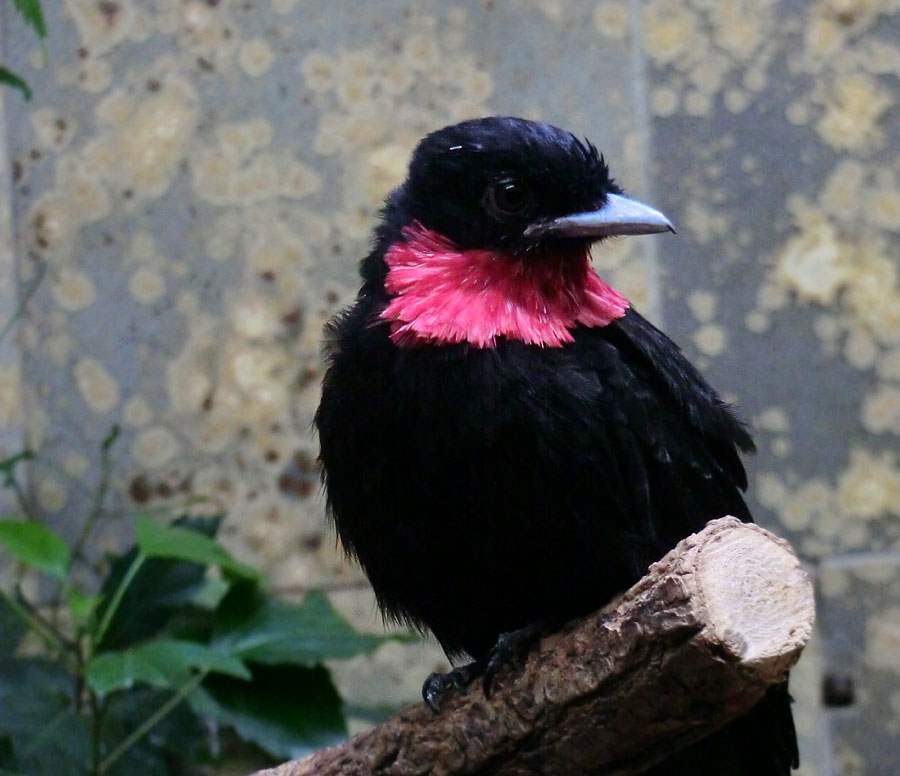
(676, 440)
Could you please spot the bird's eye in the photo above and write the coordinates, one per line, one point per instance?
(507, 197)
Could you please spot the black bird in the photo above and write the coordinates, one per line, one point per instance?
(506, 442)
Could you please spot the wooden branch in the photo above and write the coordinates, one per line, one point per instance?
(692, 645)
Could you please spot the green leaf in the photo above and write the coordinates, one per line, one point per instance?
(210, 594)
(33, 14)
(9, 78)
(263, 629)
(287, 710)
(161, 541)
(162, 663)
(35, 545)
(159, 592)
(82, 606)
(37, 716)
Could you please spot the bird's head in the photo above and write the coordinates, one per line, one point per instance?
(514, 185)
(495, 222)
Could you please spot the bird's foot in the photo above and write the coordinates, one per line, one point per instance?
(437, 686)
(509, 645)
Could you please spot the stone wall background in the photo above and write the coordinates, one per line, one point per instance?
(189, 192)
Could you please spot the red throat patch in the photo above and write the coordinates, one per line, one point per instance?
(441, 295)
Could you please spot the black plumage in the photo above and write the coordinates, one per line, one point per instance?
(487, 487)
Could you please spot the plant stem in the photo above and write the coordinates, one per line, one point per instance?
(97, 709)
(151, 721)
(99, 494)
(117, 598)
(34, 622)
(23, 301)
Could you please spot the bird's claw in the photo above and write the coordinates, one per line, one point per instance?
(508, 646)
(436, 686)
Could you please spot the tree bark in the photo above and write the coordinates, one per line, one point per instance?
(692, 645)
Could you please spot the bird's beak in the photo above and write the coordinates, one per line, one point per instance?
(619, 216)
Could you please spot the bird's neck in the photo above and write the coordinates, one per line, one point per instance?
(443, 295)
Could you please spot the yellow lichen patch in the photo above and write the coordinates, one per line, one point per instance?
(155, 447)
(137, 412)
(810, 504)
(781, 447)
(73, 290)
(58, 347)
(664, 101)
(881, 410)
(757, 321)
(737, 100)
(823, 36)
(870, 486)
(260, 374)
(621, 264)
(834, 581)
(842, 259)
(206, 28)
(187, 382)
(75, 200)
(711, 339)
(703, 45)
(705, 222)
(147, 285)
(611, 19)
(873, 293)
(146, 139)
(255, 57)
(860, 348)
(854, 105)
(857, 14)
(97, 386)
(814, 264)
(702, 305)
(10, 396)
(51, 495)
(367, 115)
(318, 71)
(882, 206)
(774, 419)
(842, 193)
(95, 75)
(738, 26)
(882, 649)
(888, 366)
(385, 169)
(101, 26)
(240, 172)
(881, 57)
(51, 129)
(255, 317)
(671, 31)
(76, 465)
(696, 103)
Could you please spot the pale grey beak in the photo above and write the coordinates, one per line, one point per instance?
(619, 216)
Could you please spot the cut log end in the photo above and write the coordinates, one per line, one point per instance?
(758, 599)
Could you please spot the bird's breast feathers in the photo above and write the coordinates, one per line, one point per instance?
(441, 294)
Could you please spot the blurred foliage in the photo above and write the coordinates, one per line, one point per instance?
(34, 17)
(177, 649)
